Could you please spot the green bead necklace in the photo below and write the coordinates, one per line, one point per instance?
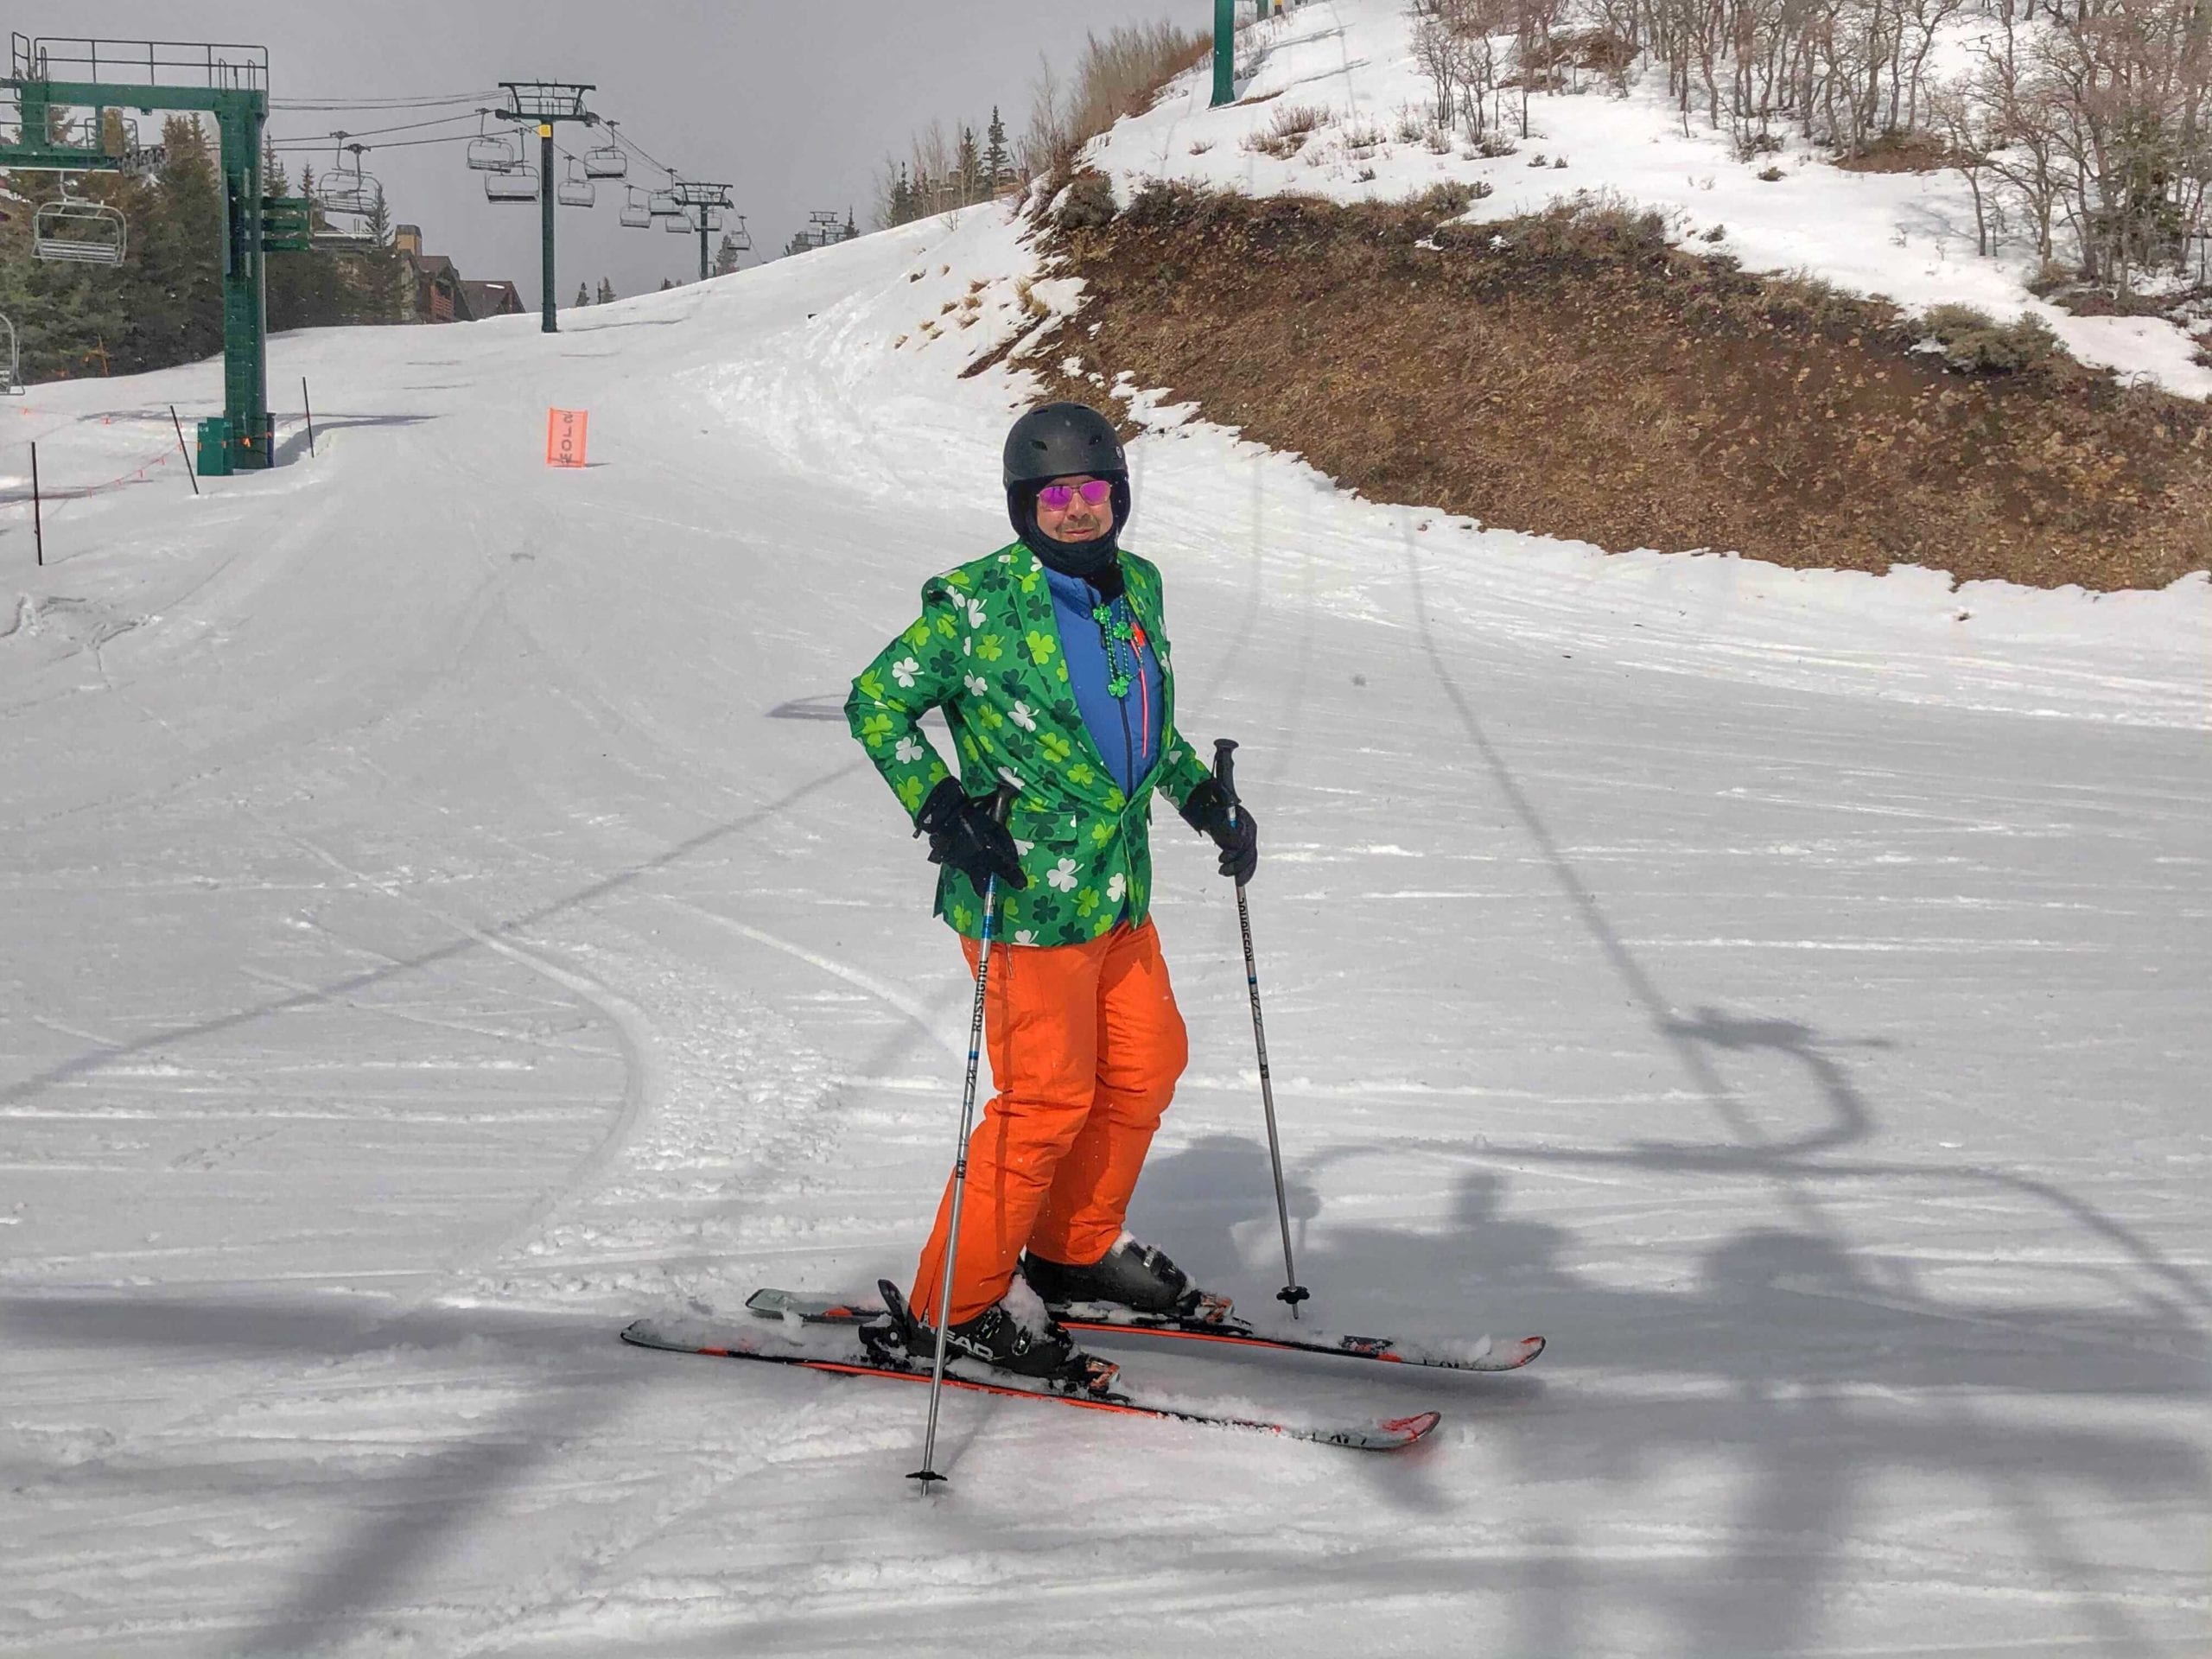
(1121, 639)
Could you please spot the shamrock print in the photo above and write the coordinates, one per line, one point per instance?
(1057, 748)
(905, 671)
(1116, 886)
(910, 749)
(1020, 715)
(990, 647)
(1041, 646)
(1063, 877)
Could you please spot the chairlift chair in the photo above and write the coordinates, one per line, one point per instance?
(713, 217)
(347, 191)
(11, 361)
(636, 215)
(517, 183)
(662, 204)
(75, 232)
(574, 190)
(490, 152)
(680, 225)
(606, 160)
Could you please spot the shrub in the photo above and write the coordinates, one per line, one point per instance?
(1088, 201)
(1446, 200)
(1769, 174)
(1972, 341)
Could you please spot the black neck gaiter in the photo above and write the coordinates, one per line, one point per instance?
(1090, 560)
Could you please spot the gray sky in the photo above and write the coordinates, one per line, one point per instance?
(796, 104)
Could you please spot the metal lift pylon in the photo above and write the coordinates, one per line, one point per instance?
(231, 83)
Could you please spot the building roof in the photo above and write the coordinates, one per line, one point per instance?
(489, 298)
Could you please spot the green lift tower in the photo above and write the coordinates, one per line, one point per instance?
(231, 83)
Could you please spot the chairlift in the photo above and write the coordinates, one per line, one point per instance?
(713, 217)
(517, 184)
(72, 231)
(680, 225)
(490, 152)
(347, 191)
(606, 160)
(11, 361)
(636, 214)
(663, 204)
(574, 190)
(740, 239)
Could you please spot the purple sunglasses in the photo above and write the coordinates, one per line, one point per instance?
(1060, 497)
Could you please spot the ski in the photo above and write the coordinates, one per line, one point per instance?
(1481, 1355)
(693, 1337)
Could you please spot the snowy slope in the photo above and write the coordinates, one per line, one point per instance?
(447, 919)
(1908, 236)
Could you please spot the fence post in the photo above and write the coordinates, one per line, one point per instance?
(38, 520)
(309, 407)
(181, 450)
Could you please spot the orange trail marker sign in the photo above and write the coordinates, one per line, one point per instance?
(564, 436)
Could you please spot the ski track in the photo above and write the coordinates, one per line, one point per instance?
(450, 926)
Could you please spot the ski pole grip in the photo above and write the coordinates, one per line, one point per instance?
(1225, 766)
(1002, 801)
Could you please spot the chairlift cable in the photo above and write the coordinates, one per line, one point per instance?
(410, 126)
(338, 106)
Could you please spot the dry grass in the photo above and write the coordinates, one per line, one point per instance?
(1118, 73)
(1572, 374)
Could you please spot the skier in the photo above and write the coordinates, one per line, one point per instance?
(1051, 665)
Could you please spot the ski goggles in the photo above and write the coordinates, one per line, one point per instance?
(1060, 497)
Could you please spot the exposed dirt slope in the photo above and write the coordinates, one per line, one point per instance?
(1573, 375)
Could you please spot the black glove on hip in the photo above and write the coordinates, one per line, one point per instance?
(962, 834)
(1207, 811)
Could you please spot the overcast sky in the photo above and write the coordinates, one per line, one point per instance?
(796, 104)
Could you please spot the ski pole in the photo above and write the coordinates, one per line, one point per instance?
(1292, 1293)
(1001, 799)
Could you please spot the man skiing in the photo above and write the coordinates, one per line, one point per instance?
(1051, 663)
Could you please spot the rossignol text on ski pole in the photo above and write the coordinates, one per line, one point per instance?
(1292, 1293)
(1001, 799)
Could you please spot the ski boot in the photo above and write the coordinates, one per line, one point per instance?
(996, 1336)
(1133, 1275)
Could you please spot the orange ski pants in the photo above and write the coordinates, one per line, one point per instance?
(1086, 1044)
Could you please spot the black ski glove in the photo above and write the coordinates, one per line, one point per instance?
(962, 834)
(1207, 811)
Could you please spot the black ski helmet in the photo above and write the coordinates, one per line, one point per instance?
(1058, 441)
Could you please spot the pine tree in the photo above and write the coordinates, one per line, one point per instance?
(902, 197)
(995, 156)
(667, 282)
(583, 294)
(606, 291)
(968, 170)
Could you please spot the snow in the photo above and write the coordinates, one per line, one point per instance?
(447, 920)
(1908, 236)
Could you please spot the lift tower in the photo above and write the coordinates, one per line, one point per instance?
(544, 105)
(228, 82)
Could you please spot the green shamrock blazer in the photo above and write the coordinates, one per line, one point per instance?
(987, 650)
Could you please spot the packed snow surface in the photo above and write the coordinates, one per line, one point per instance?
(447, 919)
